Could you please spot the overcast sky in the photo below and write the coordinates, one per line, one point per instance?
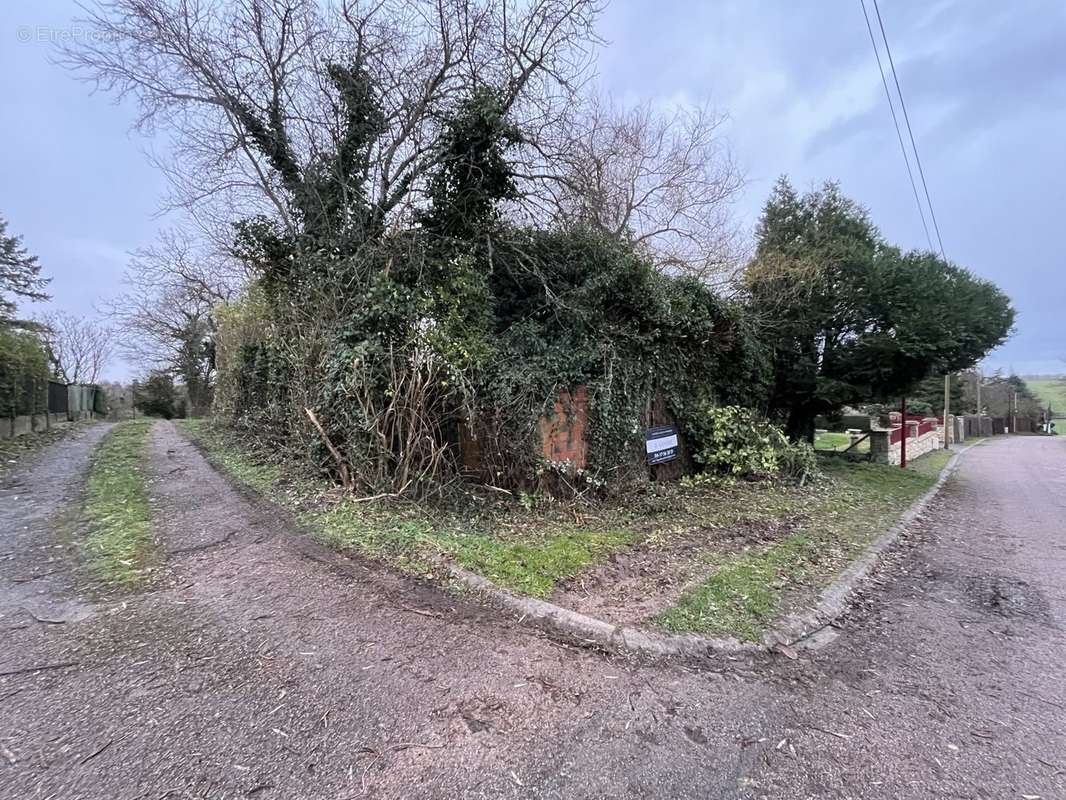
(985, 85)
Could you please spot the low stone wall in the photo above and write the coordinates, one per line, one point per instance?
(886, 446)
(20, 426)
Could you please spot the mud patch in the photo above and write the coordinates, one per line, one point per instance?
(636, 584)
(1006, 597)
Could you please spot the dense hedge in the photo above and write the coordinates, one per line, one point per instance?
(491, 350)
(24, 374)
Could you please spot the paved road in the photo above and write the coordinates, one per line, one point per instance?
(250, 668)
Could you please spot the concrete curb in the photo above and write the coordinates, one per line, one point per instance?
(832, 602)
(589, 630)
(834, 599)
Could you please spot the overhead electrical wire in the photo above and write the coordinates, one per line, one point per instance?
(895, 121)
(910, 133)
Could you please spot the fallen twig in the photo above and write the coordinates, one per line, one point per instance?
(408, 745)
(44, 620)
(96, 752)
(40, 668)
(830, 733)
(423, 613)
(374, 497)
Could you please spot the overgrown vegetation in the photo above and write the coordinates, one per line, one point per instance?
(739, 442)
(119, 546)
(747, 591)
(446, 244)
(374, 355)
(24, 373)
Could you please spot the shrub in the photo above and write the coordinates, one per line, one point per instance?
(24, 373)
(740, 442)
(798, 461)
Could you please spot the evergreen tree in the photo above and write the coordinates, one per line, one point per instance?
(20, 275)
(852, 320)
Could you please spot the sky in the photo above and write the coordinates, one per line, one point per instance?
(984, 82)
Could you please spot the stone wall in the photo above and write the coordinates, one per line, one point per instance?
(20, 426)
(886, 443)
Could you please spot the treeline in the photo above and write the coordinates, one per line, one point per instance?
(371, 351)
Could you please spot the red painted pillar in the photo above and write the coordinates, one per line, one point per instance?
(903, 431)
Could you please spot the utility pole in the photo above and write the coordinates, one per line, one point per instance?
(947, 408)
(903, 433)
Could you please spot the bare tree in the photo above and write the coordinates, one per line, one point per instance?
(247, 90)
(165, 314)
(664, 181)
(79, 348)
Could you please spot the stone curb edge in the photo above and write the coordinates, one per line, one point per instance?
(832, 602)
(834, 599)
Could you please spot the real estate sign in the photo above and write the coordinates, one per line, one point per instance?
(660, 443)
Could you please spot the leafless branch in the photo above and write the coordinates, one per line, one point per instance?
(80, 348)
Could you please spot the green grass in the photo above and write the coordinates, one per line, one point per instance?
(119, 546)
(1050, 390)
(931, 463)
(744, 593)
(528, 558)
(533, 550)
(831, 440)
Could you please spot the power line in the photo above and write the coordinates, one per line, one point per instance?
(910, 133)
(895, 121)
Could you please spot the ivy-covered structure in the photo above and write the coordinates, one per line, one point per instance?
(399, 358)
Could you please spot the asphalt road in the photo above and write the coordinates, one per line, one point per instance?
(254, 666)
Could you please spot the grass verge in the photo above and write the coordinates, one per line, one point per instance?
(119, 546)
(529, 552)
(931, 463)
(746, 591)
(764, 544)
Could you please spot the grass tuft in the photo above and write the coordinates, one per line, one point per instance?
(119, 545)
(744, 593)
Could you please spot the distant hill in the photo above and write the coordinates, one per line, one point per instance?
(1050, 390)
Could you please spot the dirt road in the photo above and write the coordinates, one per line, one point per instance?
(251, 668)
